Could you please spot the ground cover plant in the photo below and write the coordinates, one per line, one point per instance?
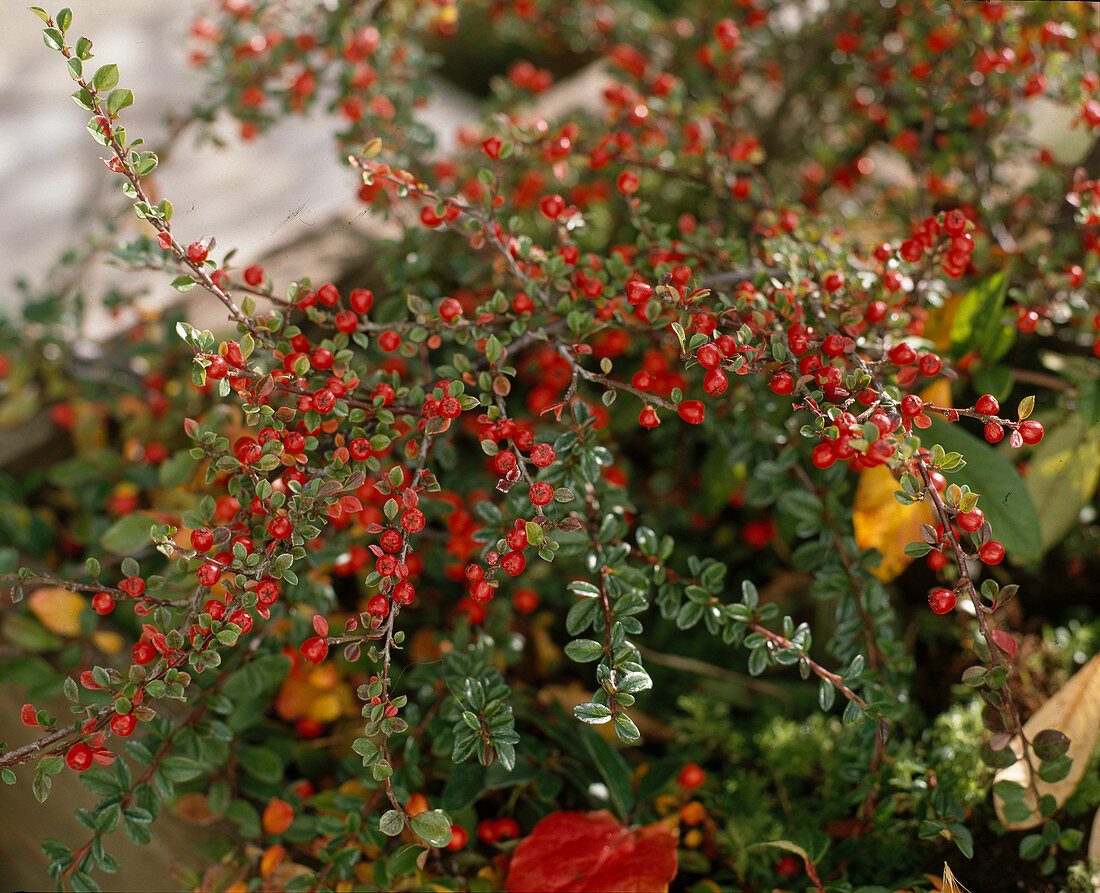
(695, 489)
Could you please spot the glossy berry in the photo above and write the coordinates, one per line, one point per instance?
(709, 356)
(123, 724)
(902, 354)
(413, 520)
(1031, 431)
(782, 383)
(715, 382)
(911, 405)
(513, 563)
(541, 493)
(970, 521)
(378, 606)
(143, 653)
(279, 527)
(459, 838)
(930, 365)
(361, 300)
(647, 418)
(196, 252)
(525, 600)
(993, 432)
(133, 586)
(208, 574)
(103, 603)
(542, 455)
(987, 405)
(941, 601)
(202, 540)
(314, 649)
(692, 776)
(691, 411)
(79, 757)
(992, 552)
(638, 292)
(403, 593)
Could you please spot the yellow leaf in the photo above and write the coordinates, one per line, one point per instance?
(58, 610)
(883, 523)
(1074, 710)
(937, 328)
(108, 641)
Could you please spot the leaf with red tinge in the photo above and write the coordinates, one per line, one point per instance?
(351, 504)
(572, 852)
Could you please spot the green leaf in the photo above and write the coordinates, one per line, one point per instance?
(978, 326)
(180, 768)
(594, 714)
(65, 19)
(261, 763)
(1031, 847)
(626, 729)
(105, 78)
(40, 12)
(583, 651)
(1006, 503)
(1063, 473)
(128, 534)
(613, 769)
(392, 822)
(117, 100)
(53, 38)
(183, 284)
(433, 827)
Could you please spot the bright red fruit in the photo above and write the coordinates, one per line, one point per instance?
(692, 411)
(692, 776)
(79, 757)
(314, 649)
(941, 601)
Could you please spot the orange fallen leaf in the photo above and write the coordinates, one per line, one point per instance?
(881, 522)
(571, 852)
(58, 609)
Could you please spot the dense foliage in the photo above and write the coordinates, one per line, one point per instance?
(697, 458)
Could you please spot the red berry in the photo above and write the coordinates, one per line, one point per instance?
(413, 520)
(691, 411)
(507, 828)
(692, 776)
(709, 356)
(361, 299)
(513, 563)
(552, 206)
(541, 493)
(1031, 431)
(992, 552)
(993, 432)
(217, 369)
(133, 586)
(450, 309)
(29, 716)
(525, 600)
(987, 405)
(638, 292)
(715, 382)
(970, 521)
(314, 649)
(123, 724)
(647, 418)
(79, 757)
(481, 591)
(930, 365)
(404, 593)
(279, 527)
(378, 606)
(902, 354)
(782, 383)
(833, 281)
(542, 455)
(459, 838)
(389, 341)
(328, 295)
(103, 603)
(202, 540)
(143, 653)
(627, 183)
(911, 405)
(196, 252)
(254, 275)
(359, 449)
(941, 601)
(824, 454)
(347, 322)
(208, 574)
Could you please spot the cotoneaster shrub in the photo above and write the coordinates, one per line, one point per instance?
(670, 388)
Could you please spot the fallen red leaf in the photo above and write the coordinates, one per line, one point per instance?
(574, 852)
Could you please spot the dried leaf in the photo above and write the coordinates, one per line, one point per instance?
(882, 523)
(1073, 710)
(570, 852)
